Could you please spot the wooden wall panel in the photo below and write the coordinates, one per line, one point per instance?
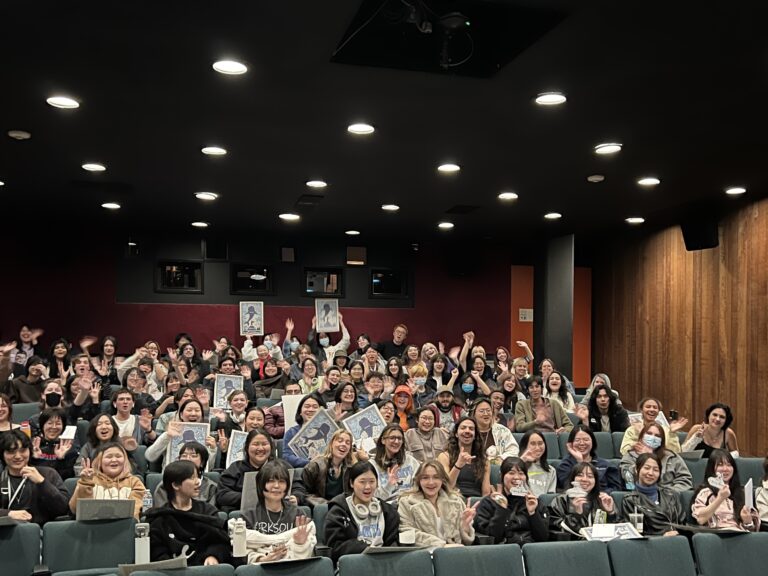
(690, 327)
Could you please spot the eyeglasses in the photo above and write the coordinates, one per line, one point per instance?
(394, 438)
(484, 411)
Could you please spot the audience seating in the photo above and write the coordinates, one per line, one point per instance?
(153, 480)
(685, 498)
(696, 468)
(617, 438)
(318, 517)
(496, 560)
(217, 570)
(139, 458)
(572, 558)
(24, 411)
(72, 545)
(318, 566)
(279, 447)
(750, 468)
(266, 402)
(70, 484)
(19, 549)
(718, 554)
(414, 562)
(618, 496)
(82, 431)
(669, 556)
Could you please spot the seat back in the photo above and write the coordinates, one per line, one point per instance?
(658, 556)
(24, 411)
(70, 484)
(266, 402)
(140, 459)
(498, 560)
(317, 566)
(572, 558)
(605, 445)
(82, 431)
(153, 481)
(318, 517)
(618, 497)
(685, 498)
(553, 445)
(72, 545)
(19, 548)
(616, 439)
(750, 468)
(718, 554)
(696, 468)
(216, 570)
(413, 562)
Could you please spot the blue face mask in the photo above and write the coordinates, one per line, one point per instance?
(268, 344)
(467, 388)
(652, 442)
(324, 342)
(294, 346)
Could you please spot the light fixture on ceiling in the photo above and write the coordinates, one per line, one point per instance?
(634, 220)
(2, 183)
(649, 181)
(258, 277)
(200, 224)
(445, 225)
(111, 205)
(214, 151)
(595, 178)
(230, 67)
(448, 168)
(553, 215)
(390, 207)
(316, 183)
(360, 128)
(550, 98)
(290, 217)
(352, 233)
(735, 190)
(507, 196)
(207, 196)
(63, 102)
(19, 134)
(94, 167)
(607, 148)
(131, 242)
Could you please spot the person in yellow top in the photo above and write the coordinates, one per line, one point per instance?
(109, 477)
(650, 408)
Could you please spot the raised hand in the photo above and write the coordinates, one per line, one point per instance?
(468, 515)
(302, 530)
(36, 451)
(172, 356)
(314, 322)
(463, 459)
(441, 347)
(32, 474)
(5, 348)
(289, 324)
(223, 440)
(61, 450)
(246, 372)
(218, 346)
(210, 442)
(503, 366)
(174, 428)
(36, 333)
(578, 456)
(207, 355)
(532, 502)
(392, 475)
(678, 424)
(521, 343)
(145, 420)
(87, 341)
(606, 501)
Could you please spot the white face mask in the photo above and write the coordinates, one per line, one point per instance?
(652, 442)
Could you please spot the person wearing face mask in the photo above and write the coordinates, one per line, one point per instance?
(650, 408)
(422, 389)
(659, 506)
(674, 472)
(320, 343)
(52, 397)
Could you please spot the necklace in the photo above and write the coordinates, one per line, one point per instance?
(269, 516)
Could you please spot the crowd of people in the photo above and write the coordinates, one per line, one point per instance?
(446, 467)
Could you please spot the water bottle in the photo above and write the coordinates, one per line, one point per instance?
(237, 527)
(146, 502)
(629, 480)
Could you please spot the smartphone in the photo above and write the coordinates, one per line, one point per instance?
(673, 415)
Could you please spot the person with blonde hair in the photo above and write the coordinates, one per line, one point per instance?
(323, 477)
(436, 511)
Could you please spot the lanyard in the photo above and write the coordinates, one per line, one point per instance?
(21, 485)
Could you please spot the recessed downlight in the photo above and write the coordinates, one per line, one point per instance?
(63, 102)
(553, 215)
(390, 207)
(649, 181)
(608, 148)
(448, 168)
(735, 190)
(111, 205)
(445, 225)
(19, 134)
(508, 196)
(595, 178)
(316, 183)
(290, 217)
(634, 220)
(214, 151)
(550, 98)
(207, 196)
(94, 167)
(200, 224)
(230, 67)
(360, 128)
(131, 243)
(352, 233)
(2, 183)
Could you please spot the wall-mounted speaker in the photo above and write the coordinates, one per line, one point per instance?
(700, 232)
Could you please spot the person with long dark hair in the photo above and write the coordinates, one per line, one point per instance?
(674, 471)
(582, 447)
(583, 504)
(603, 412)
(464, 461)
(659, 505)
(259, 449)
(306, 410)
(715, 432)
(542, 477)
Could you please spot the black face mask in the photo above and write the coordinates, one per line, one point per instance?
(52, 399)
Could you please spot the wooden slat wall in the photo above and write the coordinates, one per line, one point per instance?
(690, 327)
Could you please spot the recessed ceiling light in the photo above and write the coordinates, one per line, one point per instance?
(19, 134)
(649, 181)
(735, 190)
(94, 167)
(131, 243)
(360, 128)
(208, 196)
(595, 178)
(63, 102)
(634, 220)
(445, 225)
(608, 148)
(448, 168)
(553, 216)
(352, 233)
(2, 183)
(550, 98)
(290, 217)
(507, 196)
(317, 183)
(111, 205)
(214, 151)
(231, 67)
(390, 207)
(200, 224)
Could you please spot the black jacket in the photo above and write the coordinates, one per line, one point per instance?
(341, 529)
(45, 501)
(619, 419)
(657, 518)
(563, 519)
(512, 525)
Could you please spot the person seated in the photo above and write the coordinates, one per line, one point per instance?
(546, 368)
(555, 389)
(186, 520)
(582, 447)
(134, 429)
(394, 465)
(514, 514)
(305, 411)
(599, 379)
(274, 378)
(310, 382)
(345, 401)
(437, 513)
(659, 505)
(723, 507)
(498, 442)
(403, 399)
(275, 529)
(323, 477)
(674, 471)
(109, 477)
(603, 413)
(426, 440)
(6, 414)
(198, 455)
(258, 450)
(715, 432)
(421, 388)
(583, 504)
(499, 416)
(189, 411)
(650, 409)
(464, 461)
(29, 494)
(27, 387)
(539, 413)
(387, 410)
(445, 408)
(542, 477)
(359, 520)
(48, 449)
(274, 416)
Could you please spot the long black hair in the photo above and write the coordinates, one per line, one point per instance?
(480, 461)
(720, 456)
(524, 446)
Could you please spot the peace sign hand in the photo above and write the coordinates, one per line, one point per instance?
(468, 515)
(87, 471)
